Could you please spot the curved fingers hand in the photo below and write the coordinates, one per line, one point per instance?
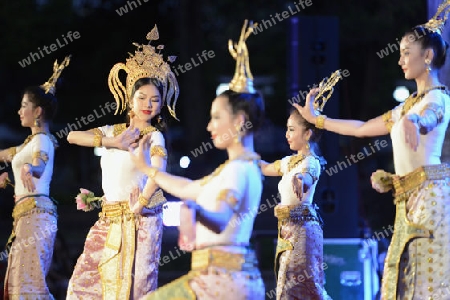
(412, 134)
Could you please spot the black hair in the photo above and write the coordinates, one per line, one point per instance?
(251, 104)
(315, 136)
(158, 121)
(47, 101)
(433, 40)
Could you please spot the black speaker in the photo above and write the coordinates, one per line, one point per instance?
(313, 54)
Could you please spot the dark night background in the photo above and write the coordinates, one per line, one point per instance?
(348, 204)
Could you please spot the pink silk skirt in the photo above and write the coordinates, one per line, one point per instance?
(31, 252)
(121, 255)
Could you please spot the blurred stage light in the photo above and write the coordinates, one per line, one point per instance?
(171, 213)
(184, 162)
(400, 93)
(221, 88)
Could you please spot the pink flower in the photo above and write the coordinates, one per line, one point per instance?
(80, 203)
(85, 191)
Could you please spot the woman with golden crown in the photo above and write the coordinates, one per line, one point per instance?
(417, 265)
(121, 254)
(223, 266)
(30, 246)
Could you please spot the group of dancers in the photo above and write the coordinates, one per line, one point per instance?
(121, 253)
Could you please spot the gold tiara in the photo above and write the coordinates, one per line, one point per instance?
(50, 85)
(146, 63)
(242, 81)
(326, 89)
(436, 23)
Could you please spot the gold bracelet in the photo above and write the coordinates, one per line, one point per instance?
(152, 173)
(143, 201)
(320, 121)
(98, 140)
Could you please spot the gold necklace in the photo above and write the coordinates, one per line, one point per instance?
(247, 156)
(414, 98)
(119, 128)
(294, 160)
(31, 136)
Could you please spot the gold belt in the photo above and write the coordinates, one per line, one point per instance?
(204, 258)
(404, 185)
(25, 206)
(300, 213)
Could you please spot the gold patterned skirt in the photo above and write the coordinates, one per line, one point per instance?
(417, 265)
(121, 255)
(31, 249)
(299, 257)
(216, 274)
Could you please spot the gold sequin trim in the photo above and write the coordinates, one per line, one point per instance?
(404, 185)
(96, 131)
(12, 151)
(157, 199)
(204, 258)
(437, 109)
(228, 196)
(387, 119)
(41, 155)
(295, 160)
(277, 167)
(158, 151)
(119, 128)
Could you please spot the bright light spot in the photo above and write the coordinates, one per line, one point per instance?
(184, 162)
(222, 88)
(99, 151)
(171, 213)
(401, 93)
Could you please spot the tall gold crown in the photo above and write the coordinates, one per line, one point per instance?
(436, 23)
(242, 81)
(49, 85)
(146, 63)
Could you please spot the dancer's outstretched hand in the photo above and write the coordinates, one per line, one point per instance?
(307, 111)
(140, 159)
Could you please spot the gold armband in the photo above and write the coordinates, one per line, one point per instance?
(98, 140)
(158, 151)
(41, 155)
(387, 119)
(229, 197)
(12, 151)
(277, 167)
(320, 121)
(143, 201)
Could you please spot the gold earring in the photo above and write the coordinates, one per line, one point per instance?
(37, 122)
(159, 119)
(427, 63)
(131, 114)
(307, 146)
(237, 138)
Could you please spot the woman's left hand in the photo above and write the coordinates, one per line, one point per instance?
(412, 134)
(140, 159)
(135, 206)
(27, 177)
(297, 184)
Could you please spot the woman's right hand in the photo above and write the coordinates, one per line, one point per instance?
(307, 111)
(128, 137)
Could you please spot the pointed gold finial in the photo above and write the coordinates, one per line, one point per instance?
(50, 85)
(242, 81)
(436, 23)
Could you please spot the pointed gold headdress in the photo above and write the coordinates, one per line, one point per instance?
(49, 85)
(242, 81)
(436, 23)
(146, 63)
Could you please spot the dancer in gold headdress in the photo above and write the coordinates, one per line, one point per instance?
(299, 257)
(121, 254)
(223, 267)
(30, 245)
(417, 265)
